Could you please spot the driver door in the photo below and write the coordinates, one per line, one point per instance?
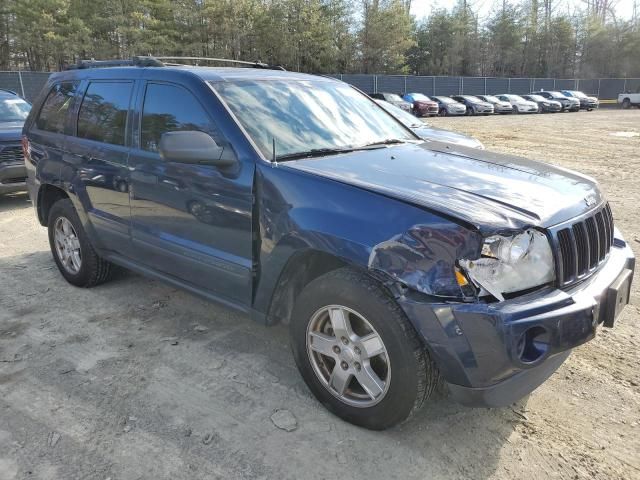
(191, 222)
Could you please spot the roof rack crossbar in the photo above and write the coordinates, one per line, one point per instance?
(149, 61)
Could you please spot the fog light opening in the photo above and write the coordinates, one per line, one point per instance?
(533, 344)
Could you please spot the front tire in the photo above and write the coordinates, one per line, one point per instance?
(626, 104)
(357, 351)
(74, 255)
(515, 110)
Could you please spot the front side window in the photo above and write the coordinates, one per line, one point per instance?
(103, 113)
(13, 110)
(169, 108)
(303, 116)
(55, 107)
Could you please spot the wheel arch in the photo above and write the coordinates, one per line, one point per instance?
(302, 267)
(48, 195)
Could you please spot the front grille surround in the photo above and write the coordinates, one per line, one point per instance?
(582, 245)
(10, 154)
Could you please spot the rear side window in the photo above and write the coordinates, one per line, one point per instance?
(168, 108)
(103, 113)
(55, 107)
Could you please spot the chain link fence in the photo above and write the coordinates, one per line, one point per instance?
(28, 84)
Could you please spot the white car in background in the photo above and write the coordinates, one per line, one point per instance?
(519, 104)
(627, 100)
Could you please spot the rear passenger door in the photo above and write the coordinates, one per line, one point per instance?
(99, 155)
(192, 222)
(47, 135)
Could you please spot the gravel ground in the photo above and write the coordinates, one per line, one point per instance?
(137, 380)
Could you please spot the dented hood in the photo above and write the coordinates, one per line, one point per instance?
(488, 190)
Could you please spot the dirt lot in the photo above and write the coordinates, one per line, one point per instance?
(136, 380)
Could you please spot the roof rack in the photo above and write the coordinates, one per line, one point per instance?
(256, 64)
(133, 62)
(149, 61)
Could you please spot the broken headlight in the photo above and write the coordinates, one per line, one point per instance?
(512, 264)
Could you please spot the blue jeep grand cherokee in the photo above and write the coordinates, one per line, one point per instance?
(297, 199)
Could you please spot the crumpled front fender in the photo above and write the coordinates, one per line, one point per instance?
(424, 257)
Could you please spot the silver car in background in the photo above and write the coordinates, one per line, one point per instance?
(448, 106)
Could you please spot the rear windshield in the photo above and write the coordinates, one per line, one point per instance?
(303, 116)
(13, 110)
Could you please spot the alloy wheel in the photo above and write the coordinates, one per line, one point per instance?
(348, 356)
(67, 245)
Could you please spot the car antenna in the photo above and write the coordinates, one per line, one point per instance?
(274, 160)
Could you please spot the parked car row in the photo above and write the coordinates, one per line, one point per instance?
(542, 101)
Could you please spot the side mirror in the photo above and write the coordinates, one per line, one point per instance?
(194, 147)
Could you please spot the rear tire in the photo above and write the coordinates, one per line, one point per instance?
(74, 255)
(626, 103)
(328, 359)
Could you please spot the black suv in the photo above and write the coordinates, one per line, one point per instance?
(297, 199)
(13, 113)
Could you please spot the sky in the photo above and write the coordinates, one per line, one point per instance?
(421, 8)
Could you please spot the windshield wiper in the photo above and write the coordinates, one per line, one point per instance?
(382, 143)
(316, 152)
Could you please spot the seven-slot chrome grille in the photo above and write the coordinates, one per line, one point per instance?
(11, 154)
(583, 245)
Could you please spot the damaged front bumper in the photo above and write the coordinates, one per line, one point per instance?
(492, 354)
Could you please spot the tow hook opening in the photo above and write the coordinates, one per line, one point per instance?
(533, 344)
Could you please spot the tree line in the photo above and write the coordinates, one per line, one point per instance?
(528, 38)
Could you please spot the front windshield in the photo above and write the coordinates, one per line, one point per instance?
(537, 98)
(304, 116)
(556, 95)
(13, 110)
(419, 96)
(577, 94)
(446, 100)
(392, 97)
(515, 98)
(491, 98)
(405, 117)
(471, 99)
